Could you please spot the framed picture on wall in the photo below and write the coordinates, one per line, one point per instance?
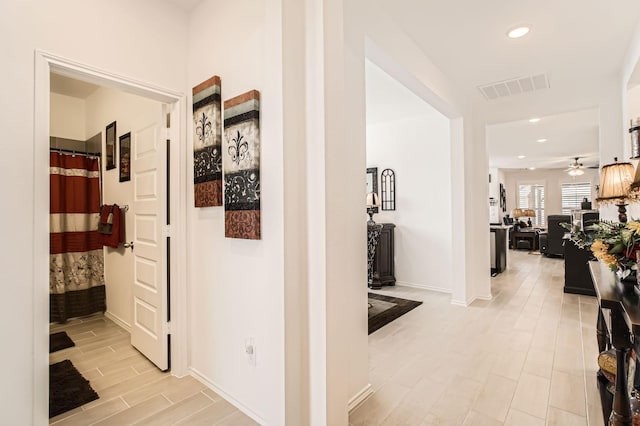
(125, 157)
(110, 147)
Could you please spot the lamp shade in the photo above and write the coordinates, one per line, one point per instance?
(518, 213)
(615, 181)
(372, 200)
(530, 213)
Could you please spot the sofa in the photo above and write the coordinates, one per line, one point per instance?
(551, 242)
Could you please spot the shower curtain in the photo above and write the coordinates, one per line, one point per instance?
(76, 259)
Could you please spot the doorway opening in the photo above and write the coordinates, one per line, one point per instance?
(137, 290)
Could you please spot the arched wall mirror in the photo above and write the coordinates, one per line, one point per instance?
(388, 190)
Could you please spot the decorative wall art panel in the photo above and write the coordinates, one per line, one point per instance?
(207, 143)
(241, 153)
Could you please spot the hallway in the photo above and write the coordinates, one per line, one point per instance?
(527, 357)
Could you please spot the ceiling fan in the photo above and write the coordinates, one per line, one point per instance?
(575, 168)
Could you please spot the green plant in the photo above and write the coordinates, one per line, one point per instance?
(614, 243)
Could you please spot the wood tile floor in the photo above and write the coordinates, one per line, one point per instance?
(527, 357)
(132, 390)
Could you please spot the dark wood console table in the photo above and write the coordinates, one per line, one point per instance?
(618, 327)
(577, 278)
(383, 263)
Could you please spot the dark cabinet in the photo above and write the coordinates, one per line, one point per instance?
(498, 238)
(383, 263)
(577, 278)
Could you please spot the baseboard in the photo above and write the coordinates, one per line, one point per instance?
(118, 321)
(423, 287)
(231, 400)
(462, 303)
(466, 304)
(360, 397)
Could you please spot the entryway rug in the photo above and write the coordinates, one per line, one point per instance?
(59, 341)
(67, 388)
(385, 309)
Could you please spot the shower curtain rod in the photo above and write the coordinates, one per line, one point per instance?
(73, 151)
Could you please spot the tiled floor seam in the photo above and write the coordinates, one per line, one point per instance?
(584, 364)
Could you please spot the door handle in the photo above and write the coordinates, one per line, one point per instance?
(127, 245)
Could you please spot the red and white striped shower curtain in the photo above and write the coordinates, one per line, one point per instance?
(76, 260)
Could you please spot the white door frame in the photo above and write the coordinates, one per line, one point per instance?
(44, 64)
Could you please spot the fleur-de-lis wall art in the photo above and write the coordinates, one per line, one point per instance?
(207, 143)
(203, 127)
(241, 164)
(238, 148)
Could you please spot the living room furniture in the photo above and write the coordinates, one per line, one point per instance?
(618, 320)
(524, 238)
(383, 262)
(551, 243)
(577, 278)
(499, 236)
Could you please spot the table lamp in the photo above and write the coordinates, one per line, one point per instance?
(530, 213)
(615, 184)
(372, 203)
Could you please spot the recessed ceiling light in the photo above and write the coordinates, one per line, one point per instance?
(541, 140)
(532, 168)
(518, 31)
(534, 120)
(520, 157)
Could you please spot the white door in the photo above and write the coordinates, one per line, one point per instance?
(149, 332)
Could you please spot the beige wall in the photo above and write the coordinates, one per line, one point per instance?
(67, 117)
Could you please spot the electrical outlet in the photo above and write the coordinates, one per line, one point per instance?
(250, 350)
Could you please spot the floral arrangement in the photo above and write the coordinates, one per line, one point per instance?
(614, 243)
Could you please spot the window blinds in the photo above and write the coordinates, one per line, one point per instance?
(531, 196)
(572, 195)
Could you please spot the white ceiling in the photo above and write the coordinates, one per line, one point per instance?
(569, 135)
(579, 45)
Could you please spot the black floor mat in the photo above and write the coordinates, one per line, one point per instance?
(67, 388)
(59, 341)
(395, 308)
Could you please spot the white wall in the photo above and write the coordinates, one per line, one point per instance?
(497, 178)
(418, 150)
(494, 192)
(135, 43)
(67, 117)
(236, 286)
(103, 107)
(552, 179)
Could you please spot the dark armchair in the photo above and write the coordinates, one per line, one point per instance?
(551, 242)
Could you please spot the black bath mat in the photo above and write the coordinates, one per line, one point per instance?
(384, 309)
(67, 388)
(59, 341)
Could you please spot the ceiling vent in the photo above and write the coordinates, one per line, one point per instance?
(515, 86)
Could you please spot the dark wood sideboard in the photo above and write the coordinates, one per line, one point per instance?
(577, 278)
(618, 326)
(383, 264)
